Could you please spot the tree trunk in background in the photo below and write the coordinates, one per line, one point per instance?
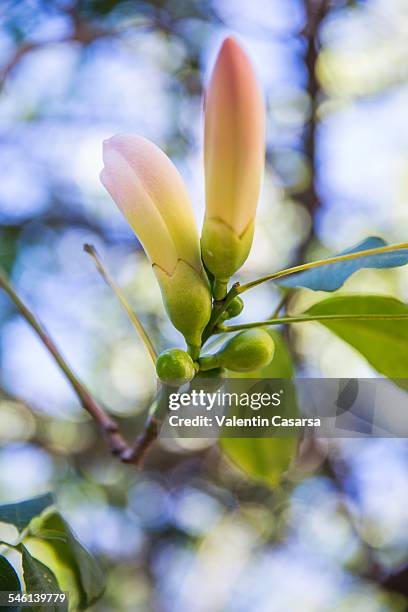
(315, 11)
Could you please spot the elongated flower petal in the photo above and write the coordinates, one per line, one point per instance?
(233, 156)
(151, 194)
(149, 190)
(126, 189)
(234, 139)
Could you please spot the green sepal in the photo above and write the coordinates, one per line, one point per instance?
(223, 251)
(187, 299)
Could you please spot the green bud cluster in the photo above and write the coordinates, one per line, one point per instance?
(251, 349)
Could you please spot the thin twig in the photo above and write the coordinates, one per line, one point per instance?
(306, 319)
(90, 249)
(109, 427)
(148, 435)
(151, 429)
(322, 262)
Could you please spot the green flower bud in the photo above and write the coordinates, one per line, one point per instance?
(233, 310)
(151, 194)
(249, 350)
(175, 367)
(235, 307)
(234, 158)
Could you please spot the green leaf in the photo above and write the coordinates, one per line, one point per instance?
(89, 576)
(332, 276)
(9, 580)
(39, 578)
(383, 343)
(266, 459)
(21, 514)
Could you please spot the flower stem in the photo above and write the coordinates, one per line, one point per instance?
(322, 262)
(218, 308)
(220, 289)
(307, 319)
(90, 249)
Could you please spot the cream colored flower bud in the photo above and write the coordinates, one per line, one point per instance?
(234, 153)
(151, 194)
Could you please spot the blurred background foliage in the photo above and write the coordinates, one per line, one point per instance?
(190, 532)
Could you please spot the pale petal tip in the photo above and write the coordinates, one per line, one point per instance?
(230, 46)
(113, 146)
(230, 43)
(111, 142)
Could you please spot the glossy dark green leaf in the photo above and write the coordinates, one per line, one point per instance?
(90, 576)
(9, 581)
(266, 459)
(39, 578)
(21, 513)
(332, 276)
(383, 343)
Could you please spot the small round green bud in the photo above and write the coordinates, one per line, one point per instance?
(249, 350)
(175, 367)
(235, 308)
